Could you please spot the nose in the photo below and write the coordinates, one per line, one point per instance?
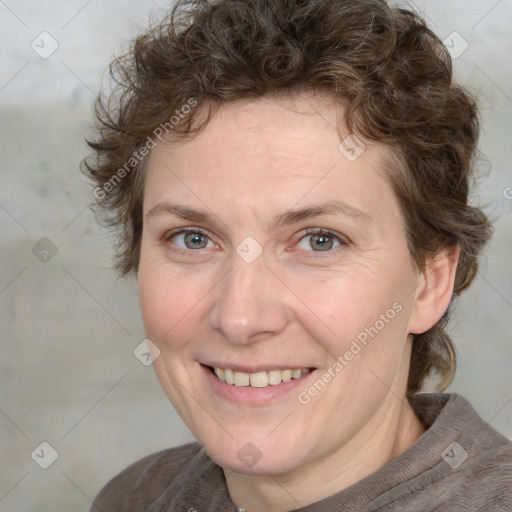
(250, 303)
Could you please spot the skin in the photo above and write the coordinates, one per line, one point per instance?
(293, 306)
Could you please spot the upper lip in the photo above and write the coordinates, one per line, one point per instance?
(254, 368)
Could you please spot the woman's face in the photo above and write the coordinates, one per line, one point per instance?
(269, 251)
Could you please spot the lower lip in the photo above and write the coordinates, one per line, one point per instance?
(250, 395)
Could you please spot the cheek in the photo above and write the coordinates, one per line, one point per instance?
(169, 303)
(343, 306)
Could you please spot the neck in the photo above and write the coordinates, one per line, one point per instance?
(391, 431)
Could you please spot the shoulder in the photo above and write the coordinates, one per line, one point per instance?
(480, 472)
(475, 467)
(142, 482)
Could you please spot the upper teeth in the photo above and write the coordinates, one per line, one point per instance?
(258, 379)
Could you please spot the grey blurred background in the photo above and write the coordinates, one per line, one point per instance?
(68, 374)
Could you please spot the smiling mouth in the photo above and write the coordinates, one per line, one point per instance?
(258, 379)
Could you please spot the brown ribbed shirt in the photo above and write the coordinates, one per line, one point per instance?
(459, 464)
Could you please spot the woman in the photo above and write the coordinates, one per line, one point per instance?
(289, 183)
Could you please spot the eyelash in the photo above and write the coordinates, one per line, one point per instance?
(168, 236)
(343, 241)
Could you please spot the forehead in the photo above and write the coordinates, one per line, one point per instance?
(270, 151)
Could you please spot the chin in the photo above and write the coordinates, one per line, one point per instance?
(259, 458)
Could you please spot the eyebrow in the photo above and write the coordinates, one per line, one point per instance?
(334, 207)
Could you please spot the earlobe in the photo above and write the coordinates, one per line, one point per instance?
(435, 289)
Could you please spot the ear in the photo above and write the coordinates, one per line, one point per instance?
(435, 289)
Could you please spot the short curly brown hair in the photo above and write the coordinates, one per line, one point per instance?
(389, 70)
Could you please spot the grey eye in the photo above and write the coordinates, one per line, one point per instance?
(195, 241)
(191, 240)
(318, 242)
